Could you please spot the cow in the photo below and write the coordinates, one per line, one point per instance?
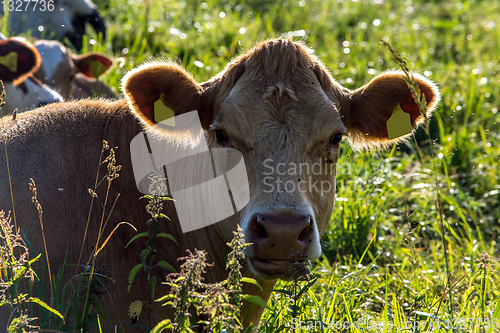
(18, 60)
(73, 76)
(54, 19)
(277, 105)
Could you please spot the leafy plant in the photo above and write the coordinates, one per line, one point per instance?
(16, 269)
(154, 208)
(219, 303)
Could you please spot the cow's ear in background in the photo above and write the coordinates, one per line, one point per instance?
(155, 87)
(92, 65)
(384, 112)
(18, 59)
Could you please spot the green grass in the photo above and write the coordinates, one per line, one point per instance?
(373, 264)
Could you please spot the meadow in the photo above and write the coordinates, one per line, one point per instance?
(413, 242)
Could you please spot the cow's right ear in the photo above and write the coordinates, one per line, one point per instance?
(166, 82)
(384, 111)
(18, 59)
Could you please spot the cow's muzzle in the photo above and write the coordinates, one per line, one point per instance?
(281, 244)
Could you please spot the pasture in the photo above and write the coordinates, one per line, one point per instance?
(413, 241)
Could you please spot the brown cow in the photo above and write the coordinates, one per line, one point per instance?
(276, 104)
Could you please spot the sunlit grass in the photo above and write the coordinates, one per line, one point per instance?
(400, 278)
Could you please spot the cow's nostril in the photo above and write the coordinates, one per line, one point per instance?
(259, 230)
(306, 232)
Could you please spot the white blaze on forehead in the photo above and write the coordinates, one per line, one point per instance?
(53, 55)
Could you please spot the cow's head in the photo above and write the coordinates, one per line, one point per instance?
(18, 60)
(279, 106)
(59, 67)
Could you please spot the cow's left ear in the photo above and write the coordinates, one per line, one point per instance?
(92, 64)
(384, 111)
(156, 91)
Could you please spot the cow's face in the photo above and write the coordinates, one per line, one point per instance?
(290, 135)
(59, 68)
(281, 109)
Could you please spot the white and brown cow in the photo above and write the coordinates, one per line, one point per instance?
(73, 76)
(277, 104)
(19, 59)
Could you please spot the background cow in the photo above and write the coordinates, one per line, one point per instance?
(73, 76)
(275, 103)
(18, 60)
(55, 19)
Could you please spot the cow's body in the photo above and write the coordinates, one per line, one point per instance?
(277, 104)
(27, 95)
(62, 191)
(63, 195)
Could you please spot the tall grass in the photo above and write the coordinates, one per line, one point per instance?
(386, 256)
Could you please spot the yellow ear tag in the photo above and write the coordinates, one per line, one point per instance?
(9, 61)
(96, 68)
(398, 124)
(164, 114)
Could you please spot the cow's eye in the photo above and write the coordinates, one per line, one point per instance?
(221, 136)
(336, 138)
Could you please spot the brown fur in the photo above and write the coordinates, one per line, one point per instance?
(277, 102)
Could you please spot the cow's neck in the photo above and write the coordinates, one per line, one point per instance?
(251, 313)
